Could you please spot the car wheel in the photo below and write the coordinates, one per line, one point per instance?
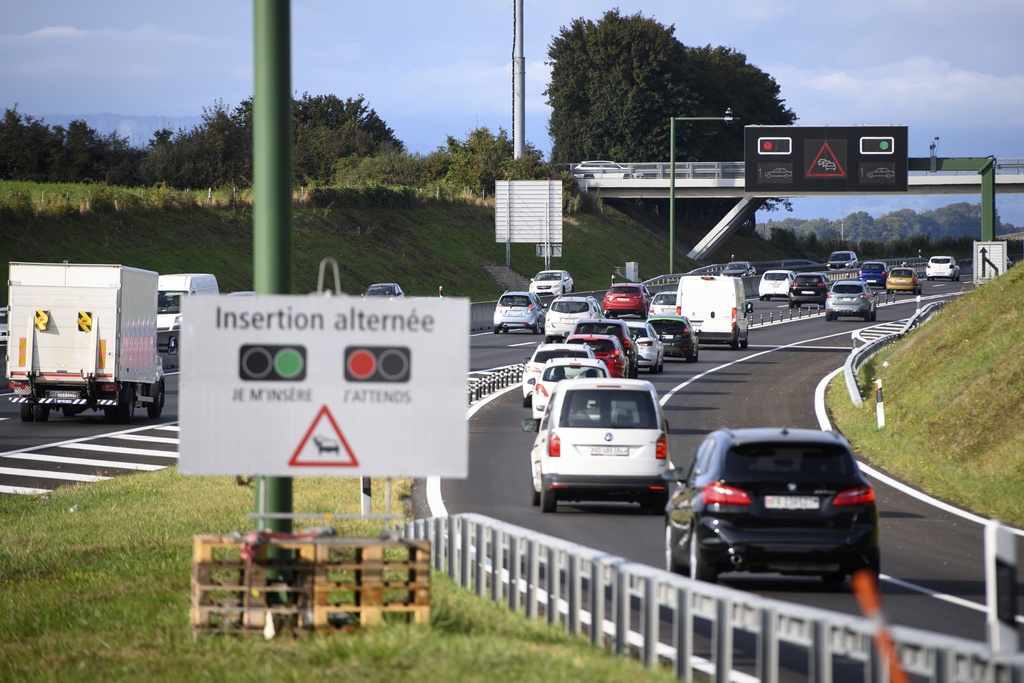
(690, 357)
(157, 406)
(67, 411)
(791, 304)
(700, 569)
(527, 400)
(535, 329)
(548, 499)
(744, 342)
(534, 494)
(874, 316)
(27, 413)
(42, 412)
(497, 330)
(670, 561)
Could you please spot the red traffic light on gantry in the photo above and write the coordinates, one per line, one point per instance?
(775, 145)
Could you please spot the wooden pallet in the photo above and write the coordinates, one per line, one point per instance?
(320, 583)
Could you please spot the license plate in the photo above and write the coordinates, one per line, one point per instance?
(846, 298)
(609, 450)
(808, 291)
(62, 394)
(515, 311)
(623, 298)
(792, 502)
(568, 320)
(667, 337)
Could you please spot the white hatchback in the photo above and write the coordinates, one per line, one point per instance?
(560, 369)
(663, 303)
(942, 266)
(533, 365)
(775, 283)
(565, 311)
(600, 439)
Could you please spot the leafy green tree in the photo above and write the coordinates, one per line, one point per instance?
(483, 158)
(616, 84)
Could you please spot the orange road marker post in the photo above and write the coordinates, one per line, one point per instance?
(866, 589)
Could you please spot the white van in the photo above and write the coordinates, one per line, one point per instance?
(170, 289)
(716, 307)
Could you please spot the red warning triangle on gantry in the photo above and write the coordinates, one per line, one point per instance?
(825, 164)
(324, 445)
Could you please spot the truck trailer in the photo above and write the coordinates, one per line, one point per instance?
(83, 337)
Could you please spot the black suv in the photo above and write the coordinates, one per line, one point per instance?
(791, 501)
(617, 328)
(808, 288)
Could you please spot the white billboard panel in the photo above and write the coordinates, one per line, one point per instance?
(528, 211)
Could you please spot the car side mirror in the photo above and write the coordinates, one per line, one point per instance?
(674, 474)
(531, 425)
(749, 307)
(526, 359)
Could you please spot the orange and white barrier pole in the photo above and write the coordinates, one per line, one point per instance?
(866, 588)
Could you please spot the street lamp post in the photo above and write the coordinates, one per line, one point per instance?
(728, 118)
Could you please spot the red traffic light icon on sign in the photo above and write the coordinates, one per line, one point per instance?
(775, 145)
(377, 363)
(272, 363)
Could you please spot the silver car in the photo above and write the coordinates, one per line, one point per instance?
(603, 169)
(650, 350)
(519, 311)
(849, 297)
(663, 303)
(565, 311)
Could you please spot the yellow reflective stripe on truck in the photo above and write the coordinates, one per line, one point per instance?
(22, 351)
(101, 362)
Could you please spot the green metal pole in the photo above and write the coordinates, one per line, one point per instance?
(988, 200)
(671, 195)
(272, 184)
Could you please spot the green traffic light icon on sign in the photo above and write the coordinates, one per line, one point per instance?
(272, 363)
(880, 145)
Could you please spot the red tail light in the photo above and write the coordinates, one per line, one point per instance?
(679, 310)
(862, 495)
(539, 389)
(734, 316)
(554, 446)
(661, 448)
(831, 295)
(863, 296)
(530, 308)
(720, 494)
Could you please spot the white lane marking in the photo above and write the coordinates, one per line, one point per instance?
(41, 474)
(22, 490)
(107, 464)
(61, 444)
(150, 439)
(121, 450)
(529, 343)
(434, 499)
(172, 427)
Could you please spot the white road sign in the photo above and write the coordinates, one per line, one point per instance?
(312, 386)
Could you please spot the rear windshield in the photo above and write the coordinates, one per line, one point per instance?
(514, 300)
(775, 276)
(556, 373)
(598, 345)
(570, 307)
(609, 408)
(789, 461)
(624, 290)
(940, 259)
(663, 326)
(664, 298)
(901, 272)
(808, 279)
(542, 356)
(873, 266)
(847, 289)
(598, 328)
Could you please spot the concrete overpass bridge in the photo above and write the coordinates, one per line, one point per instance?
(725, 180)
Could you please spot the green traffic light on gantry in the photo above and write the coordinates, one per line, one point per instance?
(879, 145)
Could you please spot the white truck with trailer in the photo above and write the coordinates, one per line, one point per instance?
(83, 337)
(716, 307)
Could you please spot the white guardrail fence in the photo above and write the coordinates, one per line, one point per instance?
(699, 629)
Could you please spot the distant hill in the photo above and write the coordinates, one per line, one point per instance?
(138, 129)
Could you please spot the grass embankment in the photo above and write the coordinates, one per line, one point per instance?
(376, 235)
(954, 410)
(94, 585)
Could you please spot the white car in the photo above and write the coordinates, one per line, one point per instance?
(775, 283)
(603, 169)
(533, 365)
(565, 311)
(663, 303)
(942, 266)
(650, 352)
(559, 369)
(600, 439)
(551, 283)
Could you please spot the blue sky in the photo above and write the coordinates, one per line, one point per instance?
(945, 68)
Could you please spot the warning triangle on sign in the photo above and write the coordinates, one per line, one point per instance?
(320, 448)
(826, 164)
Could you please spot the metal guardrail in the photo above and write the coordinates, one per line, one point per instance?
(859, 356)
(494, 380)
(659, 617)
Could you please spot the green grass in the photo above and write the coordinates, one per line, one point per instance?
(953, 403)
(94, 585)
